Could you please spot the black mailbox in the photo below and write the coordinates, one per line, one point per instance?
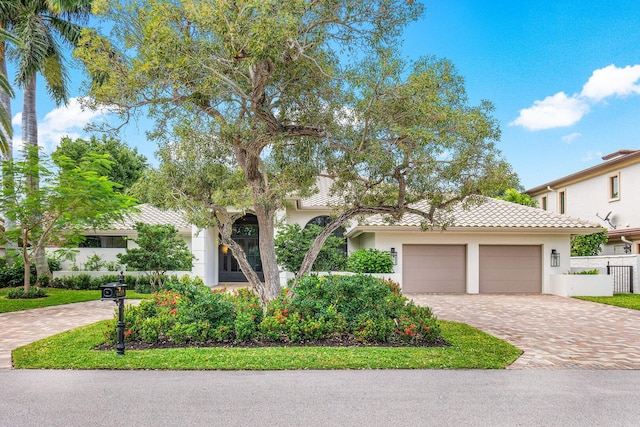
(113, 291)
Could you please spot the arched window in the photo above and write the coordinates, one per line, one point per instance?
(323, 221)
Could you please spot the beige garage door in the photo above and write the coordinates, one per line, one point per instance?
(510, 269)
(434, 268)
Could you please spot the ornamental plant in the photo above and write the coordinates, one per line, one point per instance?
(159, 250)
(370, 261)
(344, 308)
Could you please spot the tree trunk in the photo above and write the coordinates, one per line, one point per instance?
(30, 138)
(251, 163)
(268, 252)
(27, 262)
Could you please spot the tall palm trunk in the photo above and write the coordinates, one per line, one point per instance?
(30, 138)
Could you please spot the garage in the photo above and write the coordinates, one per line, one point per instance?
(510, 269)
(434, 268)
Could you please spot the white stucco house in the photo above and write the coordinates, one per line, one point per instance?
(496, 247)
(605, 193)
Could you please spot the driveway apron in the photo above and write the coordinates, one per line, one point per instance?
(23, 327)
(554, 332)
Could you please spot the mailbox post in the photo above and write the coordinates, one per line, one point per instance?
(117, 292)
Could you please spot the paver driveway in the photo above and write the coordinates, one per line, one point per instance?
(554, 332)
(22, 327)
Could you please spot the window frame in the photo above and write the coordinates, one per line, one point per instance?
(562, 201)
(543, 203)
(614, 183)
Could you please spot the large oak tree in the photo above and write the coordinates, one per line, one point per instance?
(256, 99)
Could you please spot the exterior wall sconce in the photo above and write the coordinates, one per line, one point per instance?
(225, 249)
(394, 256)
(555, 258)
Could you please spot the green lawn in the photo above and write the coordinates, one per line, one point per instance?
(621, 300)
(470, 349)
(55, 297)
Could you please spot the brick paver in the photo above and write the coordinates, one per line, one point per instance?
(23, 327)
(554, 332)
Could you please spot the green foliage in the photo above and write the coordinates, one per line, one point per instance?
(361, 308)
(19, 293)
(514, 196)
(12, 275)
(631, 301)
(160, 249)
(588, 244)
(301, 78)
(128, 165)
(293, 242)
(370, 261)
(71, 197)
(587, 272)
(139, 284)
(94, 263)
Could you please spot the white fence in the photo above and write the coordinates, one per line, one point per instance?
(600, 262)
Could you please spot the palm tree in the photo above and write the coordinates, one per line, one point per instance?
(42, 27)
(6, 93)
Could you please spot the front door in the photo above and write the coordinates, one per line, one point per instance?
(245, 233)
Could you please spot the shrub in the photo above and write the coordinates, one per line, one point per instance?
(360, 308)
(370, 261)
(94, 263)
(84, 281)
(19, 293)
(12, 275)
(588, 272)
(293, 243)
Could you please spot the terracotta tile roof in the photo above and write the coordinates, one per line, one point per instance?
(494, 214)
(154, 216)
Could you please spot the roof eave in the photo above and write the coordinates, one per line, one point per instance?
(354, 232)
(626, 160)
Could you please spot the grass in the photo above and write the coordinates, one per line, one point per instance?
(621, 300)
(54, 297)
(470, 349)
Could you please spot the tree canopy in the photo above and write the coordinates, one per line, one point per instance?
(128, 165)
(514, 196)
(70, 199)
(256, 99)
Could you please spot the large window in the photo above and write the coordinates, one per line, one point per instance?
(614, 187)
(103, 242)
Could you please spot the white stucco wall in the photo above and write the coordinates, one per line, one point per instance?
(106, 254)
(587, 198)
(601, 262)
(385, 240)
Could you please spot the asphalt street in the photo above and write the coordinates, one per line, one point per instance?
(320, 398)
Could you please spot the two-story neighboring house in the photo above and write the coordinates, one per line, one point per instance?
(607, 193)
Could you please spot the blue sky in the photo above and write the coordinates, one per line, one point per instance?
(564, 77)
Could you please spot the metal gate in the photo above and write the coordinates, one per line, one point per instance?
(622, 278)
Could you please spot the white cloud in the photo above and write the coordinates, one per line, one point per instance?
(554, 111)
(68, 120)
(561, 110)
(612, 80)
(591, 155)
(569, 138)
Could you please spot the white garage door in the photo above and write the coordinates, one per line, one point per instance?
(434, 268)
(510, 269)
